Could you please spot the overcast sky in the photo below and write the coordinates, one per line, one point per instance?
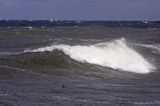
(81, 9)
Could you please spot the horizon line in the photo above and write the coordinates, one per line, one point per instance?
(1, 19)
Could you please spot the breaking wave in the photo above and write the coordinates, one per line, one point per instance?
(114, 54)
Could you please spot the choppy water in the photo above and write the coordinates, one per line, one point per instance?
(87, 65)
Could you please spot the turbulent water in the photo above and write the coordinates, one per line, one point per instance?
(114, 54)
(87, 65)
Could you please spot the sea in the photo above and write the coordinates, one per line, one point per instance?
(79, 63)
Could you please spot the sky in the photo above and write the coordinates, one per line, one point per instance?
(80, 9)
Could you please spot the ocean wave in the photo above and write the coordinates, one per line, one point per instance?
(155, 47)
(114, 54)
(9, 53)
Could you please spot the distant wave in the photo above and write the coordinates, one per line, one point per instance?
(155, 47)
(114, 54)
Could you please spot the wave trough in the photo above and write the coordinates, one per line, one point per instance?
(114, 54)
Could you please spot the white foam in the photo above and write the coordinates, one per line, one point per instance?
(115, 54)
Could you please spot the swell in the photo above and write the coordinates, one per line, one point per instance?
(55, 59)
